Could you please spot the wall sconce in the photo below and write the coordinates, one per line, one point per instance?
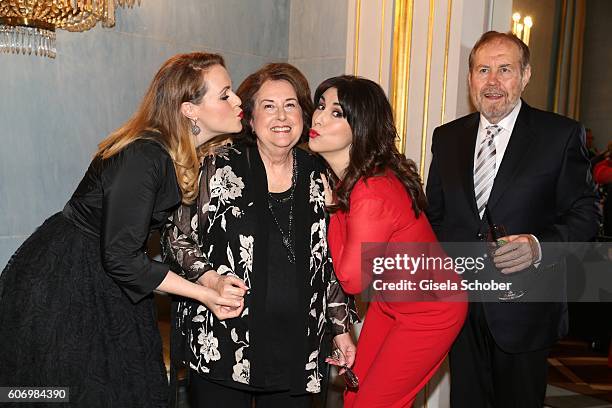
(28, 27)
(522, 30)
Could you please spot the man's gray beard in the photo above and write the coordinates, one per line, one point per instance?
(489, 114)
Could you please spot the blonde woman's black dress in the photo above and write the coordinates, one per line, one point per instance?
(76, 305)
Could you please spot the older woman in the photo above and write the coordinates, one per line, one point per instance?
(263, 224)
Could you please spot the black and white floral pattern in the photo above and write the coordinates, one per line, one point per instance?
(222, 349)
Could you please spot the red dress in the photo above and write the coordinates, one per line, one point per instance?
(402, 344)
(602, 173)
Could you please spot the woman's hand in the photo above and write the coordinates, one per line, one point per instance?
(223, 308)
(329, 194)
(344, 343)
(228, 286)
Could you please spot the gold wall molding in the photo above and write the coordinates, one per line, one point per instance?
(357, 29)
(449, 13)
(579, 32)
(369, 39)
(430, 33)
(382, 42)
(400, 66)
(561, 45)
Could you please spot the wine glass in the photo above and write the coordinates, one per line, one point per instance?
(494, 241)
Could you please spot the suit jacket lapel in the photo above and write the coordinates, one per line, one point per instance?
(465, 155)
(520, 140)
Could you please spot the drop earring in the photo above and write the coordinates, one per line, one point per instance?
(195, 129)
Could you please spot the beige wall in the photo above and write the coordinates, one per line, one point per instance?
(437, 92)
(53, 112)
(317, 38)
(430, 82)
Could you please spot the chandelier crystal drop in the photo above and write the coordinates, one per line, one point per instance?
(28, 26)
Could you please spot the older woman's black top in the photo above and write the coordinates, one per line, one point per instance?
(281, 303)
(120, 200)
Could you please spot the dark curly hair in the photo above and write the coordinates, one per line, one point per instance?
(275, 71)
(373, 151)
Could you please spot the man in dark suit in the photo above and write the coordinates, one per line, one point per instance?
(530, 169)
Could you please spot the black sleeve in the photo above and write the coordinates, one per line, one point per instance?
(131, 184)
(577, 213)
(435, 195)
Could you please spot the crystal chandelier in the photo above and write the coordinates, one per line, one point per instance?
(28, 26)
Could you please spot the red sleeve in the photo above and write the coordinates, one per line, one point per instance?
(369, 220)
(602, 173)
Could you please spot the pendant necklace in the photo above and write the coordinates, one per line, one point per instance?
(286, 235)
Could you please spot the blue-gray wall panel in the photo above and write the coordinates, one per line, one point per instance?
(54, 112)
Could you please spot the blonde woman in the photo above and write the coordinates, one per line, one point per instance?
(76, 307)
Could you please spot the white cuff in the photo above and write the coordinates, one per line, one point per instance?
(538, 259)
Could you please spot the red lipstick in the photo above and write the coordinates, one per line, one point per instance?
(313, 133)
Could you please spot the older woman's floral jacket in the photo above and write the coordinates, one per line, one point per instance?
(223, 232)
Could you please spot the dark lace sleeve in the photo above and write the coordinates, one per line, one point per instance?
(341, 309)
(182, 235)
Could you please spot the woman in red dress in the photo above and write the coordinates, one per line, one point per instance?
(378, 197)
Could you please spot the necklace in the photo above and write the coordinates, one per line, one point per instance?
(286, 235)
